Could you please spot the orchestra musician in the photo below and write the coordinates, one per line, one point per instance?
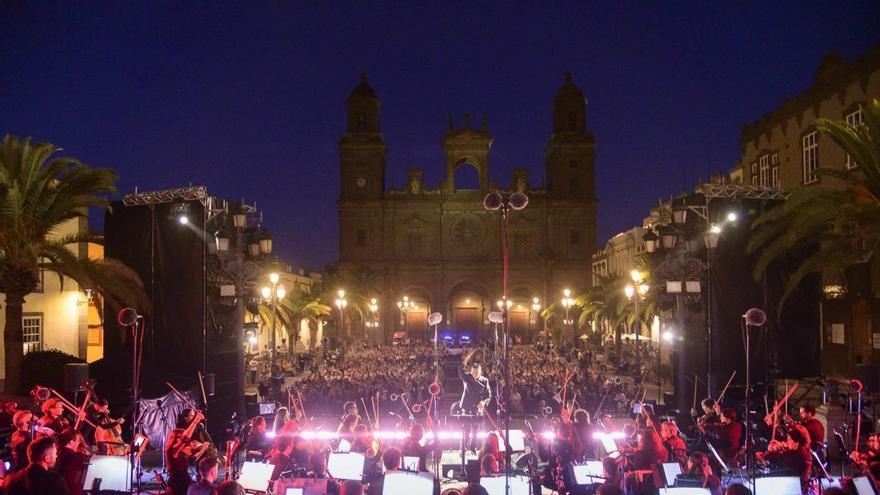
(649, 449)
(280, 456)
(792, 454)
(108, 435)
(698, 468)
(208, 468)
(20, 439)
(413, 447)
(813, 425)
(474, 398)
(73, 460)
(53, 416)
(583, 435)
(675, 445)
(731, 434)
(38, 478)
(711, 417)
(491, 446)
(557, 474)
(258, 444)
(181, 449)
(869, 460)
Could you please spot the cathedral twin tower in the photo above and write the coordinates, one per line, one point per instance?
(440, 248)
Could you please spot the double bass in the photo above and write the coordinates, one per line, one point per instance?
(108, 431)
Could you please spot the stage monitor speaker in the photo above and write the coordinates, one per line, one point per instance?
(75, 374)
(472, 470)
(867, 373)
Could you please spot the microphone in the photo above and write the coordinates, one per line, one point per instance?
(127, 317)
(755, 317)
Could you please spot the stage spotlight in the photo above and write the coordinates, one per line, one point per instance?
(180, 212)
(732, 216)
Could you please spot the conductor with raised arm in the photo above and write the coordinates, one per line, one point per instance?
(474, 398)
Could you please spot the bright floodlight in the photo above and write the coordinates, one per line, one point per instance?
(715, 229)
(280, 292)
(252, 339)
(731, 217)
(273, 277)
(636, 276)
(266, 292)
(183, 219)
(667, 336)
(629, 290)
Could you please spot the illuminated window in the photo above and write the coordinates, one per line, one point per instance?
(32, 331)
(764, 166)
(754, 175)
(810, 157)
(774, 170)
(854, 119)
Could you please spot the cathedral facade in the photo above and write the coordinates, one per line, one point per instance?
(440, 250)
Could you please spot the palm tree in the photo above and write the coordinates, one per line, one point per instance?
(838, 226)
(361, 284)
(38, 194)
(296, 306)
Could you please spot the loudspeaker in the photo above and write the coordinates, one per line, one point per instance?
(208, 382)
(867, 373)
(75, 374)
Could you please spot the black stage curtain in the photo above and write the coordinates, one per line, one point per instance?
(169, 257)
(787, 346)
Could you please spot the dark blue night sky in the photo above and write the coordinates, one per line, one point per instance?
(248, 99)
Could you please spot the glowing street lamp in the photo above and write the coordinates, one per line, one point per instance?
(404, 306)
(341, 303)
(568, 302)
(273, 293)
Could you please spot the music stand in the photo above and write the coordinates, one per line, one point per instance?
(255, 476)
(108, 473)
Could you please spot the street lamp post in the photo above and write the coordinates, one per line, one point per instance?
(634, 293)
(568, 302)
(536, 306)
(404, 306)
(273, 293)
(341, 303)
(667, 336)
(374, 310)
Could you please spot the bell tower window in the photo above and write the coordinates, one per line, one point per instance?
(361, 120)
(572, 121)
